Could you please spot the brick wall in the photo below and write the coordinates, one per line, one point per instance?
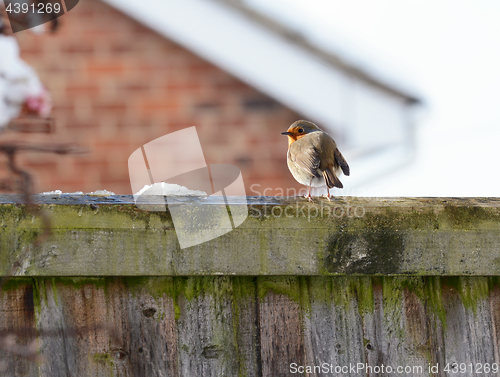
(117, 85)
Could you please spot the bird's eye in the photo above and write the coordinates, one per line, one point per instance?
(300, 130)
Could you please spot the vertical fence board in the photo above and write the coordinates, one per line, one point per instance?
(207, 343)
(244, 326)
(469, 340)
(246, 308)
(280, 322)
(494, 298)
(336, 336)
(17, 326)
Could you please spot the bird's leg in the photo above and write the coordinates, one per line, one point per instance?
(309, 192)
(328, 194)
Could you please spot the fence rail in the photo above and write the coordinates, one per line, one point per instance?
(355, 287)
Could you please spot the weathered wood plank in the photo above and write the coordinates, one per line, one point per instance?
(207, 338)
(281, 236)
(468, 334)
(265, 326)
(298, 287)
(281, 336)
(246, 309)
(335, 322)
(17, 331)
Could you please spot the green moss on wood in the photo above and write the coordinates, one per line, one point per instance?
(432, 295)
(370, 241)
(158, 287)
(244, 287)
(427, 289)
(363, 287)
(279, 285)
(347, 292)
(14, 283)
(103, 358)
(84, 217)
(472, 292)
(468, 217)
(244, 290)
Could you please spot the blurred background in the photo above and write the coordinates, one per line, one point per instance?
(409, 90)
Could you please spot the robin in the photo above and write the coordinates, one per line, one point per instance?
(313, 157)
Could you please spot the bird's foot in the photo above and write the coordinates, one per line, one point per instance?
(326, 196)
(309, 197)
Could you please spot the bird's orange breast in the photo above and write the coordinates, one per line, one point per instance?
(293, 138)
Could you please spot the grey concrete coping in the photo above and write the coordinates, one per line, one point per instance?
(110, 236)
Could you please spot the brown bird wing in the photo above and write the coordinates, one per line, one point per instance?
(342, 162)
(305, 156)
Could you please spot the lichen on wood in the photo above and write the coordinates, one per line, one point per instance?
(247, 326)
(411, 281)
(289, 236)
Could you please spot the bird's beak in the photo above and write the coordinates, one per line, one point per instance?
(287, 133)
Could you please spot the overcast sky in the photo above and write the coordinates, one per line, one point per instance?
(450, 51)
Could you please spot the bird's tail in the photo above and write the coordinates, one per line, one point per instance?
(331, 179)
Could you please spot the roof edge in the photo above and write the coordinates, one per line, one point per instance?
(330, 58)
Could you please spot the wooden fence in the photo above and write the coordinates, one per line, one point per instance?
(355, 287)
